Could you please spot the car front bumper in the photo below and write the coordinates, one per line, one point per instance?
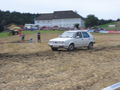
(58, 45)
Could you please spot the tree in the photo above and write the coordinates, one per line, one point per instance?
(118, 19)
(7, 17)
(91, 21)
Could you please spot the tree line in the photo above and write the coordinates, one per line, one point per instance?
(7, 17)
(92, 21)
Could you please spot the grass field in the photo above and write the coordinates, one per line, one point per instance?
(6, 34)
(42, 31)
(105, 26)
(33, 66)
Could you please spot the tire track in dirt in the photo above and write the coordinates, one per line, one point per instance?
(25, 56)
(107, 48)
(51, 54)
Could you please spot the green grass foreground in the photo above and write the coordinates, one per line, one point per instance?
(43, 31)
(6, 34)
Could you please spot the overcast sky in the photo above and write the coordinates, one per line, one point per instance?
(103, 9)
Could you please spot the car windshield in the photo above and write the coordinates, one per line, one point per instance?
(67, 35)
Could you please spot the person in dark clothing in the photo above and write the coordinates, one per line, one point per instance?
(38, 37)
(22, 37)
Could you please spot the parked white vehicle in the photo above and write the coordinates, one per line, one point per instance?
(72, 39)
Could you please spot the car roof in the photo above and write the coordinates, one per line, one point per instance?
(77, 31)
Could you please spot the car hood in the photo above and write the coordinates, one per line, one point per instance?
(60, 39)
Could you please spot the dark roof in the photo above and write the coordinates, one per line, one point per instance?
(65, 14)
(59, 15)
(47, 16)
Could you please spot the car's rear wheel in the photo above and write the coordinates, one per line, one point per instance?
(90, 46)
(54, 49)
(71, 47)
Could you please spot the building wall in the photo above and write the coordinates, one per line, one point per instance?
(60, 22)
(43, 22)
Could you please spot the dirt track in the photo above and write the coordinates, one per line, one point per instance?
(33, 66)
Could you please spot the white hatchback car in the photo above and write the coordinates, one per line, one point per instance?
(72, 39)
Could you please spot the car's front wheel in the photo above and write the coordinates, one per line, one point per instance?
(71, 47)
(90, 46)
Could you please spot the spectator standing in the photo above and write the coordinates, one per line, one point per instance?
(22, 37)
(38, 37)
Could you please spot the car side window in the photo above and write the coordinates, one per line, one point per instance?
(85, 35)
(79, 34)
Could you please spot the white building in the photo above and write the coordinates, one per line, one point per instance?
(60, 19)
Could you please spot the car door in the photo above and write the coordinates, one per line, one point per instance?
(78, 39)
(86, 38)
